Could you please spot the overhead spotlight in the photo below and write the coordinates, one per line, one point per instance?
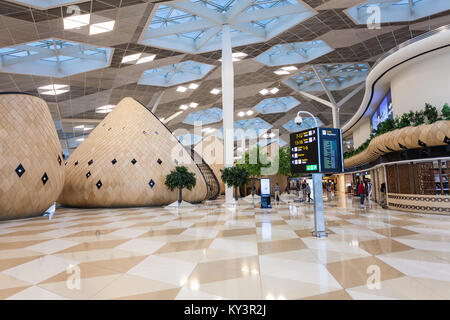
(249, 112)
(264, 92)
(183, 107)
(131, 57)
(281, 72)
(193, 105)
(76, 21)
(146, 59)
(215, 91)
(53, 89)
(105, 109)
(101, 27)
(241, 113)
(193, 86)
(274, 90)
(181, 89)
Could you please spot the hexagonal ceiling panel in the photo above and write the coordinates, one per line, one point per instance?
(371, 12)
(249, 128)
(195, 26)
(293, 53)
(44, 4)
(174, 74)
(335, 76)
(276, 105)
(53, 58)
(307, 123)
(208, 116)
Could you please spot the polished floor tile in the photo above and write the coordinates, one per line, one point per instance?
(217, 251)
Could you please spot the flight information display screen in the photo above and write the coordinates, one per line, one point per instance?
(330, 150)
(316, 150)
(304, 152)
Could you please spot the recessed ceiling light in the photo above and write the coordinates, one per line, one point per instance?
(101, 27)
(241, 114)
(281, 72)
(146, 59)
(105, 109)
(183, 107)
(215, 91)
(249, 112)
(211, 130)
(181, 89)
(193, 105)
(239, 54)
(272, 135)
(131, 57)
(264, 91)
(80, 139)
(161, 119)
(274, 90)
(76, 21)
(205, 129)
(265, 135)
(193, 86)
(289, 68)
(83, 127)
(54, 89)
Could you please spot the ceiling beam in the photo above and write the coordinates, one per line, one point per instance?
(199, 10)
(269, 13)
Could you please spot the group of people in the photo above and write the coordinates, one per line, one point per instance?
(304, 190)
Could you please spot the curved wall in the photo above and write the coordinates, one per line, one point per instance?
(31, 161)
(124, 162)
(427, 79)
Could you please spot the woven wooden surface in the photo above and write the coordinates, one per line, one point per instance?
(429, 134)
(28, 138)
(115, 165)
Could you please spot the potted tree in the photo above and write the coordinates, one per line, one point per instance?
(180, 178)
(236, 176)
(254, 160)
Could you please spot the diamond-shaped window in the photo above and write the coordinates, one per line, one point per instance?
(294, 53)
(20, 170)
(99, 184)
(174, 74)
(151, 183)
(114, 161)
(276, 105)
(44, 178)
(133, 161)
(54, 58)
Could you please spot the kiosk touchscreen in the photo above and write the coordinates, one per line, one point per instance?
(265, 193)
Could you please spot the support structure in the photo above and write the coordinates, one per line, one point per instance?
(319, 218)
(334, 108)
(227, 104)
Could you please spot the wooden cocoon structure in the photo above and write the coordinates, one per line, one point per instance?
(211, 150)
(124, 162)
(31, 159)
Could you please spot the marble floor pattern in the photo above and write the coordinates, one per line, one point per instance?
(215, 251)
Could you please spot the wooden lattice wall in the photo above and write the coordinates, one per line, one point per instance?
(31, 160)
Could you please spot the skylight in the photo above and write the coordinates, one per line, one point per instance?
(174, 74)
(307, 123)
(207, 116)
(53, 58)
(249, 128)
(44, 4)
(195, 26)
(336, 77)
(293, 53)
(395, 11)
(276, 105)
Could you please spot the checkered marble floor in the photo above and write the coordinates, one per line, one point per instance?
(214, 251)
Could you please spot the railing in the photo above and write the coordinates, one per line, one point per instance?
(411, 41)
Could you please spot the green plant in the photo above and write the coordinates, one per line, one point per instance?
(385, 126)
(236, 176)
(419, 118)
(446, 112)
(254, 160)
(431, 113)
(180, 178)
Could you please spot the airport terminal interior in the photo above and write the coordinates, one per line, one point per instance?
(224, 149)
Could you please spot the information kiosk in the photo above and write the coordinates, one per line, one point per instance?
(317, 151)
(265, 193)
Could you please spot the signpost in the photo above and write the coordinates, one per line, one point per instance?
(317, 151)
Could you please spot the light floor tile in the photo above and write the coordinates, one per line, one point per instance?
(234, 245)
(52, 246)
(140, 246)
(35, 293)
(187, 293)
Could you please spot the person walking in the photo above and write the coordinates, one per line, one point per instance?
(303, 190)
(308, 191)
(277, 193)
(361, 192)
(383, 195)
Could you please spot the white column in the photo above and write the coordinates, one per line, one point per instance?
(227, 104)
(335, 113)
